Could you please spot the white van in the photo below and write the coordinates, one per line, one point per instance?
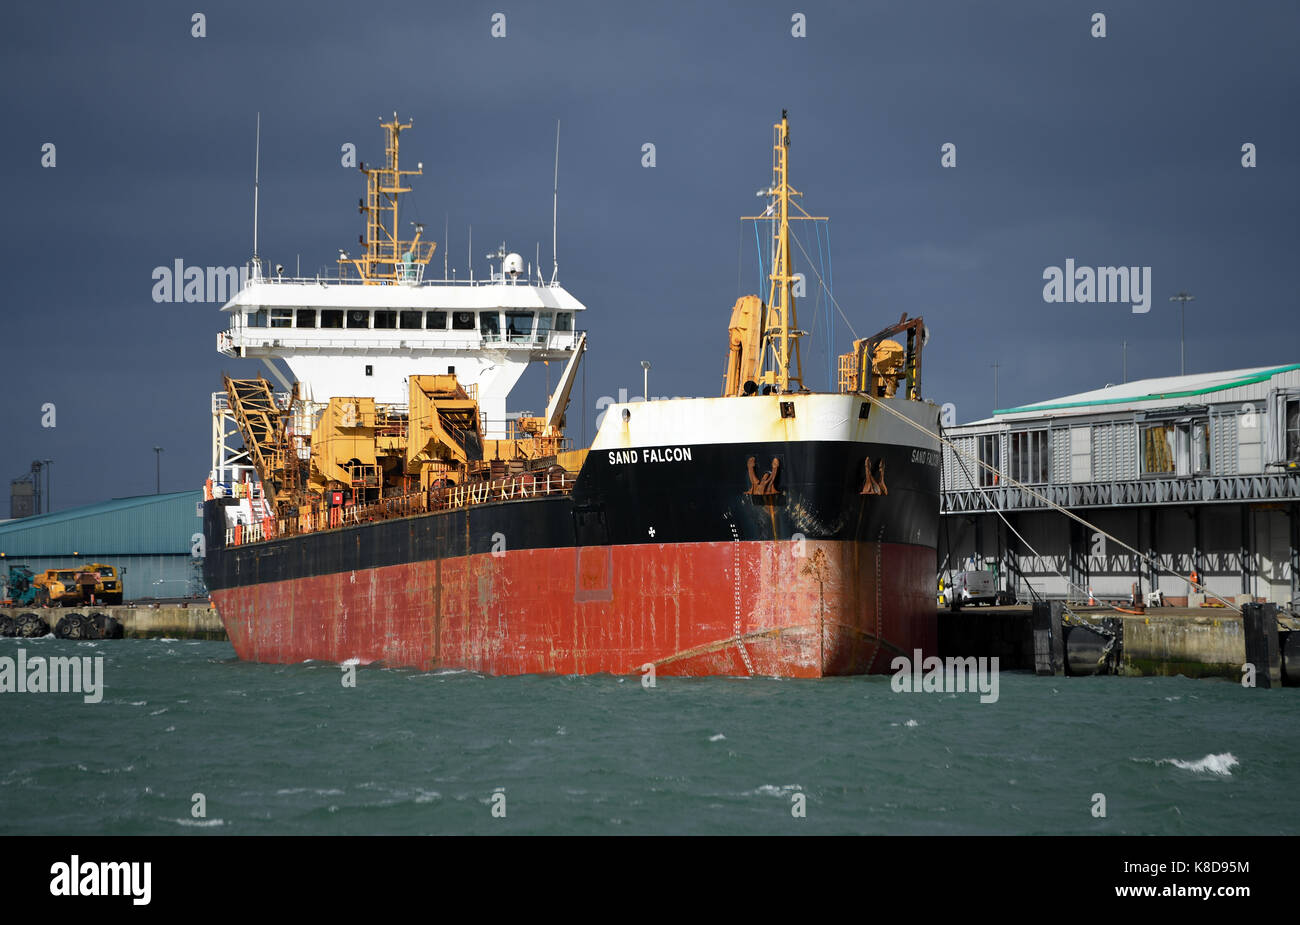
(978, 587)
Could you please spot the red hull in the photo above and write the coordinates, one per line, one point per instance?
(721, 608)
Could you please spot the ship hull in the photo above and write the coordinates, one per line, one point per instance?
(663, 554)
(721, 608)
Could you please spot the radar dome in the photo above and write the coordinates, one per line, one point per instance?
(513, 264)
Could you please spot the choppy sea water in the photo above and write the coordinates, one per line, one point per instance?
(277, 749)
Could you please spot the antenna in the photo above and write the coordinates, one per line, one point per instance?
(257, 174)
(446, 233)
(555, 205)
(469, 253)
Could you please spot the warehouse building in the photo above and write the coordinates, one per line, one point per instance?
(148, 538)
(1201, 473)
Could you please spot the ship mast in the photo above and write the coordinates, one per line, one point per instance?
(387, 257)
(781, 368)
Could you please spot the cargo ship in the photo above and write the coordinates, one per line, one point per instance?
(382, 507)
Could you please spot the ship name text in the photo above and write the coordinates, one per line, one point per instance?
(650, 455)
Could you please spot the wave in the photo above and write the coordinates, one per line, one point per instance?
(1220, 764)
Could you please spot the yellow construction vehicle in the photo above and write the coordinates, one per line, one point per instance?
(58, 587)
(108, 587)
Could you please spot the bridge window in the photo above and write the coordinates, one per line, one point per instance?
(519, 325)
(282, 317)
(409, 321)
(306, 317)
(255, 319)
(564, 321)
(489, 324)
(435, 321)
(1029, 457)
(331, 318)
(386, 320)
(462, 321)
(358, 319)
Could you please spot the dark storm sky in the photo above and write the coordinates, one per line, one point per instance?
(1117, 151)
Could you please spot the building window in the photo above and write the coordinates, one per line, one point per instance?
(358, 319)
(282, 317)
(1029, 457)
(435, 321)
(1181, 448)
(989, 456)
(386, 320)
(1200, 447)
(306, 317)
(1158, 449)
(1080, 454)
(409, 321)
(331, 318)
(462, 321)
(1293, 429)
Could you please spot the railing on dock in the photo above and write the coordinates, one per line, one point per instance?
(521, 487)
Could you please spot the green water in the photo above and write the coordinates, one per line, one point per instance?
(289, 749)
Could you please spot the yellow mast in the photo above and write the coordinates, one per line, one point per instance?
(780, 327)
(387, 257)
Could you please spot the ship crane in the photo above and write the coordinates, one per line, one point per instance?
(554, 426)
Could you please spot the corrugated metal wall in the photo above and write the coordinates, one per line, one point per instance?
(144, 577)
(149, 536)
(147, 525)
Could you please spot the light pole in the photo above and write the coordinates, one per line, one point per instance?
(645, 380)
(157, 451)
(1182, 299)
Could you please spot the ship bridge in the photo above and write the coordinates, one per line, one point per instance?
(346, 337)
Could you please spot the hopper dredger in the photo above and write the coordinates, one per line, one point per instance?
(383, 507)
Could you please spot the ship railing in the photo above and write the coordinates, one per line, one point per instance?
(519, 487)
(365, 339)
(333, 278)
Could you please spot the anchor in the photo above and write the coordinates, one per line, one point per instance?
(875, 484)
(764, 485)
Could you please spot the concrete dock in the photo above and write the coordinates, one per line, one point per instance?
(144, 621)
(1164, 641)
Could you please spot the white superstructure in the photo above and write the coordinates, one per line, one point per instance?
(349, 337)
(378, 321)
